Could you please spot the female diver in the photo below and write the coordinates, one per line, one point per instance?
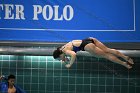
(95, 48)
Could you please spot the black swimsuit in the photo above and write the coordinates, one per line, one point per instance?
(83, 44)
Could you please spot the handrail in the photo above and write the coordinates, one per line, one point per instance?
(48, 51)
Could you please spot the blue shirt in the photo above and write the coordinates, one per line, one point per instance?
(4, 88)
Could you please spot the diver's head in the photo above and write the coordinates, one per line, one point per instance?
(57, 53)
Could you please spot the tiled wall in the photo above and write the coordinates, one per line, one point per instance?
(43, 74)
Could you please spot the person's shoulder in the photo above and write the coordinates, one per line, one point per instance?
(3, 83)
(19, 90)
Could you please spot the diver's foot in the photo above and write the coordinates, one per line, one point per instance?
(130, 61)
(127, 65)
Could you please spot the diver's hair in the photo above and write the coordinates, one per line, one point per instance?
(11, 77)
(57, 53)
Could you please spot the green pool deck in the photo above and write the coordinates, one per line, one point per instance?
(43, 74)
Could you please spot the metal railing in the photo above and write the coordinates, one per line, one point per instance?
(46, 49)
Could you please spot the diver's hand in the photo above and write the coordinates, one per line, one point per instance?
(62, 61)
(67, 59)
(67, 65)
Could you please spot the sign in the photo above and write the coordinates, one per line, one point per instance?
(64, 20)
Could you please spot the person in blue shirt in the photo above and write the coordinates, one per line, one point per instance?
(9, 86)
(95, 48)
